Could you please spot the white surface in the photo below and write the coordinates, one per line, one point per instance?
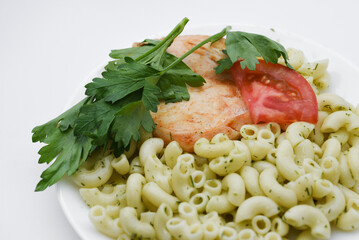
(47, 47)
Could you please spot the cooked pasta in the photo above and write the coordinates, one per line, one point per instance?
(258, 187)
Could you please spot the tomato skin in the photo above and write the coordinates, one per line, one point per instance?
(276, 93)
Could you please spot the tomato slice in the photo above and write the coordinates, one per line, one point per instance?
(275, 93)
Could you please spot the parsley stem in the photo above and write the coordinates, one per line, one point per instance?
(171, 36)
(212, 38)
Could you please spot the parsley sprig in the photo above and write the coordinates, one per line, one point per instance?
(248, 47)
(117, 105)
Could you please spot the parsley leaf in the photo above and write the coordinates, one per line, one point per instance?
(69, 151)
(116, 84)
(136, 114)
(118, 105)
(248, 47)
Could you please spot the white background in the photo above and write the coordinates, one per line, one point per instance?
(48, 47)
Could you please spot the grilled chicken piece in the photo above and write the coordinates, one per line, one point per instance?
(216, 107)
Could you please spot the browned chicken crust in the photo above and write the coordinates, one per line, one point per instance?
(216, 107)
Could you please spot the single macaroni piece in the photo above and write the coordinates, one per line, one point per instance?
(266, 135)
(258, 148)
(251, 180)
(346, 178)
(333, 205)
(302, 216)
(114, 195)
(279, 226)
(331, 102)
(303, 187)
(134, 190)
(132, 226)
(212, 187)
(261, 224)
(181, 181)
(232, 162)
(172, 152)
(99, 173)
(330, 167)
(188, 212)
(283, 196)
(199, 201)
(298, 132)
(322, 188)
(256, 205)
(198, 178)
(234, 185)
(220, 204)
(331, 147)
(105, 223)
(156, 196)
(341, 119)
(163, 214)
(154, 169)
(285, 162)
(249, 131)
(274, 128)
(210, 230)
(121, 164)
(220, 145)
(303, 150)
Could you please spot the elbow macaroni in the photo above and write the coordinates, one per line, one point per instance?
(256, 194)
(258, 187)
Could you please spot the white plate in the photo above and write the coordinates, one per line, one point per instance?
(343, 82)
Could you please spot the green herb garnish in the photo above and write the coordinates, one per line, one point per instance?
(248, 47)
(118, 105)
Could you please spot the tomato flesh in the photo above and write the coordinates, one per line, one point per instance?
(275, 93)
